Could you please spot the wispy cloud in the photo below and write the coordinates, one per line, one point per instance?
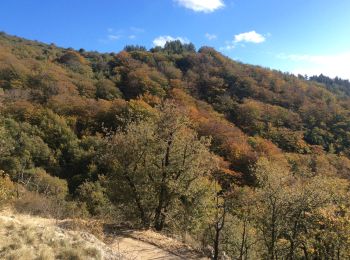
(113, 35)
(331, 65)
(229, 45)
(137, 30)
(251, 36)
(162, 40)
(205, 6)
(210, 36)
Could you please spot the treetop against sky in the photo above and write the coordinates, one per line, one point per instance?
(307, 37)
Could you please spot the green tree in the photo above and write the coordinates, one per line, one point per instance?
(271, 204)
(161, 160)
(95, 197)
(106, 89)
(290, 210)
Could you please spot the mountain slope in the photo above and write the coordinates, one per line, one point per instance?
(88, 88)
(187, 142)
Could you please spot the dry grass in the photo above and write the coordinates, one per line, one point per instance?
(92, 226)
(27, 237)
(47, 206)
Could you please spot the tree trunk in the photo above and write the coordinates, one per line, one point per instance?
(241, 253)
(216, 242)
(219, 225)
(306, 254)
(273, 234)
(138, 202)
(159, 218)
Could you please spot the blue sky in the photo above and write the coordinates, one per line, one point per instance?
(299, 36)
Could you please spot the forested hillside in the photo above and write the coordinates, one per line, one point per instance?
(337, 85)
(243, 159)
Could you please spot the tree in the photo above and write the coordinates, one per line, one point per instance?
(295, 214)
(271, 203)
(162, 161)
(241, 240)
(106, 89)
(177, 47)
(44, 86)
(94, 195)
(219, 221)
(130, 48)
(6, 142)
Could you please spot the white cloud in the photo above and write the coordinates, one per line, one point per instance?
(162, 40)
(331, 65)
(210, 36)
(251, 36)
(114, 37)
(131, 37)
(205, 6)
(240, 39)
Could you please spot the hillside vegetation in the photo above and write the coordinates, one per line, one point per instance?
(237, 160)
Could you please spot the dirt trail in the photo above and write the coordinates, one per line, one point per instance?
(150, 245)
(139, 250)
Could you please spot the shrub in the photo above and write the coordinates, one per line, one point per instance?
(7, 188)
(41, 205)
(94, 195)
(37, 179)
(106, 89)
